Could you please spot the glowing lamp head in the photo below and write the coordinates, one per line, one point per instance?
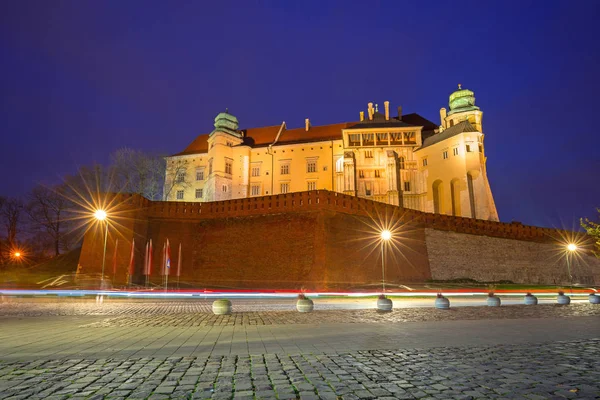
(17, 254)
(100, 215)
(571, 247)
(386, 235)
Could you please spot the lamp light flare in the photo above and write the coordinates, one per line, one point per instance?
(386, 235)
(17, 254)
(571, 247)
(100, 215)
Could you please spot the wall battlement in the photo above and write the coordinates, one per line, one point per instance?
(323, 200)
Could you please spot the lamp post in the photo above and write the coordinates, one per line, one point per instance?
(100, 215)
(571, 248)
(386, 235)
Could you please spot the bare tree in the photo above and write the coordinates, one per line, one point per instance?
(47, 208)
(176, 177)
(10, 214)
(138, 172)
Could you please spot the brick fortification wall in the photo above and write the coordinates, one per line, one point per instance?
(318, 240)
(454, 256)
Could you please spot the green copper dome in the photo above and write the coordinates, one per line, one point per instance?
(227, 123)
(462, 100)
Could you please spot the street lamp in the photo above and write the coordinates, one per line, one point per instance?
(17, 254)
(386, 235)
(571, 248)
(101, 215)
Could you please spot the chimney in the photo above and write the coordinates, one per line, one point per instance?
(370, 111)
(386, 105)
(306, 124)
(443, 117)
(400, 113)
(362, 116)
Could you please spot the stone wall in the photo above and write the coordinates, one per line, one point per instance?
(457, 255)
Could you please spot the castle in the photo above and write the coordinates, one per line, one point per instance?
(404, 160)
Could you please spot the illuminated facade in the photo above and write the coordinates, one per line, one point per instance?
(404, 160)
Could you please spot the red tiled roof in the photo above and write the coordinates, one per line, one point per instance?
(260, 137)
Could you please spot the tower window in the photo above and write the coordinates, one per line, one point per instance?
(424, 162)
(401, 162)
(455, 151)
(361, 173)
(377, 173)
(407, 186)
(224, 188)
(468, 148)
(445, 154)
(228, 167)
(368, 154)
(480, 148)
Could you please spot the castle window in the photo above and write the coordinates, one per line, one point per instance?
(361, 173)
(180, 195)
(468, 148)
(407, 186)
(285, 169)
(382, 138)
(228, 167)
(401, 162)
(445, 154)
(285, 187)
(210, 166)
(180, 176)
(311, 165)
(377, 174)
(425, 162)
(224, 188)
(410, 138)
(255, 171)
(395, 138)
(198, 193)
(230, 144)
(255, 190)
(312, 185)
(368, 189)
(455, 151)
(368, 154)
(480, 148)
(200, 174)
(354, 139)
(368, 139)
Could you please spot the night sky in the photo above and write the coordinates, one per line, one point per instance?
(79, 79)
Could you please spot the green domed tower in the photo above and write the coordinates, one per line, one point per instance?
(462, 108)
(227, 123)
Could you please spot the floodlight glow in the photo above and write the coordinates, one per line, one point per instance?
(100, 215)
(17, 254)
(386, 235)
(572, 247)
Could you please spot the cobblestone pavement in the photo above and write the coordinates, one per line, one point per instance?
(198, 313)
(555, 370)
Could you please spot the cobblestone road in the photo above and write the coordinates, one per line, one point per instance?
(556, 370)
(179, 350)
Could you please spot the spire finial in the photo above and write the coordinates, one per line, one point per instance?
(459, 86)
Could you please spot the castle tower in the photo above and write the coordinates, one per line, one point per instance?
(221, 158)
(462, 108)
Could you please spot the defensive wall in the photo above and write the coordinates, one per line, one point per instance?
(323, 240)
